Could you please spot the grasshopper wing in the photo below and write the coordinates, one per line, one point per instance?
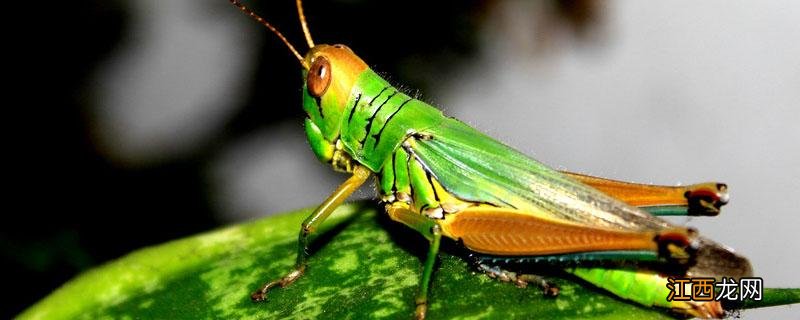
(477, 168)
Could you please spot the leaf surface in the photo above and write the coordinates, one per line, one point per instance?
(362, 266)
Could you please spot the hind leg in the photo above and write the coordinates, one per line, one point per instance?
(701, 199)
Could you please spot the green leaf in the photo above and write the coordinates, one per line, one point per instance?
(363, 266)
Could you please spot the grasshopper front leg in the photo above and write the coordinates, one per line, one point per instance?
(309, 227)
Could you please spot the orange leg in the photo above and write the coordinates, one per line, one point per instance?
(511, 232)
(702, 199)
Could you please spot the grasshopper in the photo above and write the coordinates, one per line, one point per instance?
(444, 179)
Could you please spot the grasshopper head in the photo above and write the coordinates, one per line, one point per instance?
(332, 72)
(329, 71)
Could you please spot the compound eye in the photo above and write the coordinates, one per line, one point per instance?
(319, 77)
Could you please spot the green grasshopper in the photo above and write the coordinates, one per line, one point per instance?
(443, 178)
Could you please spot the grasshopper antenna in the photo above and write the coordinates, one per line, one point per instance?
(304, 24)
(274, 30)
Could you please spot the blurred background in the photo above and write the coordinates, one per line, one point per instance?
(137, 122)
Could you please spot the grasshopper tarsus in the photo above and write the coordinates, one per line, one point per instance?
(550, 290)
(258, 296)
(261, 294)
